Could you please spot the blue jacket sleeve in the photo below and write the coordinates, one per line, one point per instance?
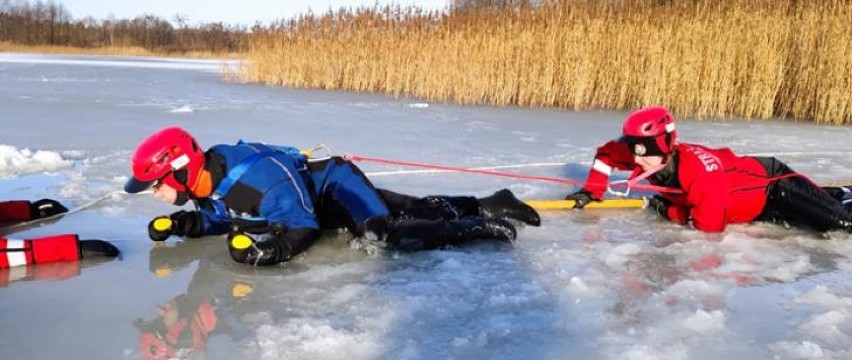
(213, 222)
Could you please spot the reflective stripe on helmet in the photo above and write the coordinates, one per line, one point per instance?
(180, 162)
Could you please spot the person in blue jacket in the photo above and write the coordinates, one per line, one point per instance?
(273, 201)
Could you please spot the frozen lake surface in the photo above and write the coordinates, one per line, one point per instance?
(596, 284)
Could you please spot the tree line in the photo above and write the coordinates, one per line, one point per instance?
(50, 23)
(37, 23)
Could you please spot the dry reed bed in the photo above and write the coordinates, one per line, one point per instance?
(702, 58)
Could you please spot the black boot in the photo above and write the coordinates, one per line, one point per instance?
(504, 204)
(842, 194)
(412, 235)
(800, 203)
(92, 248)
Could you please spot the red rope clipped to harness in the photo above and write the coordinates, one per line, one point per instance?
(629, 185)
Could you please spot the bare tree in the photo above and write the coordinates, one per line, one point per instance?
(39, 23)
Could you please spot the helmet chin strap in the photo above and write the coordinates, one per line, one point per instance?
(182, 198)
(630, 182)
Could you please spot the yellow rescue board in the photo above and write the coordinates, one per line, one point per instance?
(569, 204)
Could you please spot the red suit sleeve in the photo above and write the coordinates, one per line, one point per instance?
(612, 155)
(40, 250)
(18, 210)
(705, 187)
(678, 214)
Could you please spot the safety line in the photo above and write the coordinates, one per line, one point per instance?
(353, 157)
(563, 163)
(406, 172)
(14, 227)
(629, 184)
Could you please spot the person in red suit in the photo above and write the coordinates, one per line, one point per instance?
(710, 188)
(64, 247)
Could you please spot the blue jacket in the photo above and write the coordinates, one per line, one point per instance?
(273, 189)
(276, 187)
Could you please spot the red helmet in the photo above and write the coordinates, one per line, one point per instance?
(650, 131)
(163, 155)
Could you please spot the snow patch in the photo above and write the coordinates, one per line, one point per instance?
(823, 297)
(644, 352)
(508, 299)
(705, 323)
(73, 154)
(25, 161)
(763, 259)
(74, 187)
(833, 319)
(186, 109)
(578, 288)
(322, 338)
(795, 350)
(621, 254)
(472, 341)
(827, 326)
(696, 290)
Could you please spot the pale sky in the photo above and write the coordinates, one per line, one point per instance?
(244, 12)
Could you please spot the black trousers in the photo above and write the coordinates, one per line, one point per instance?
(798, 202)
(406, 207)
(334, 215)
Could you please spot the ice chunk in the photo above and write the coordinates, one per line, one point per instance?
(25, 161)
(186, 109)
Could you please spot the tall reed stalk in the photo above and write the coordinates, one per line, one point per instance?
(755, 59)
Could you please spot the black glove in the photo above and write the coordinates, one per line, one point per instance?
(92, 248)
(180, 223)
(187, 223)
(660, 205)
(581, 198)
(244, 249)
(45, 207)
(281, 245)
(160, 228)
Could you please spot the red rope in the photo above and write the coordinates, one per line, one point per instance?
(459, 169)
(353, 157)
(628, 184)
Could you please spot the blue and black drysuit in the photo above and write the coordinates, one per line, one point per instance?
(269, 189)
(274, 190)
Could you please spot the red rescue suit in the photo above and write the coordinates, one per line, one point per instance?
(718, 187)
(14, 211)
(40, 250)
(16, 252)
